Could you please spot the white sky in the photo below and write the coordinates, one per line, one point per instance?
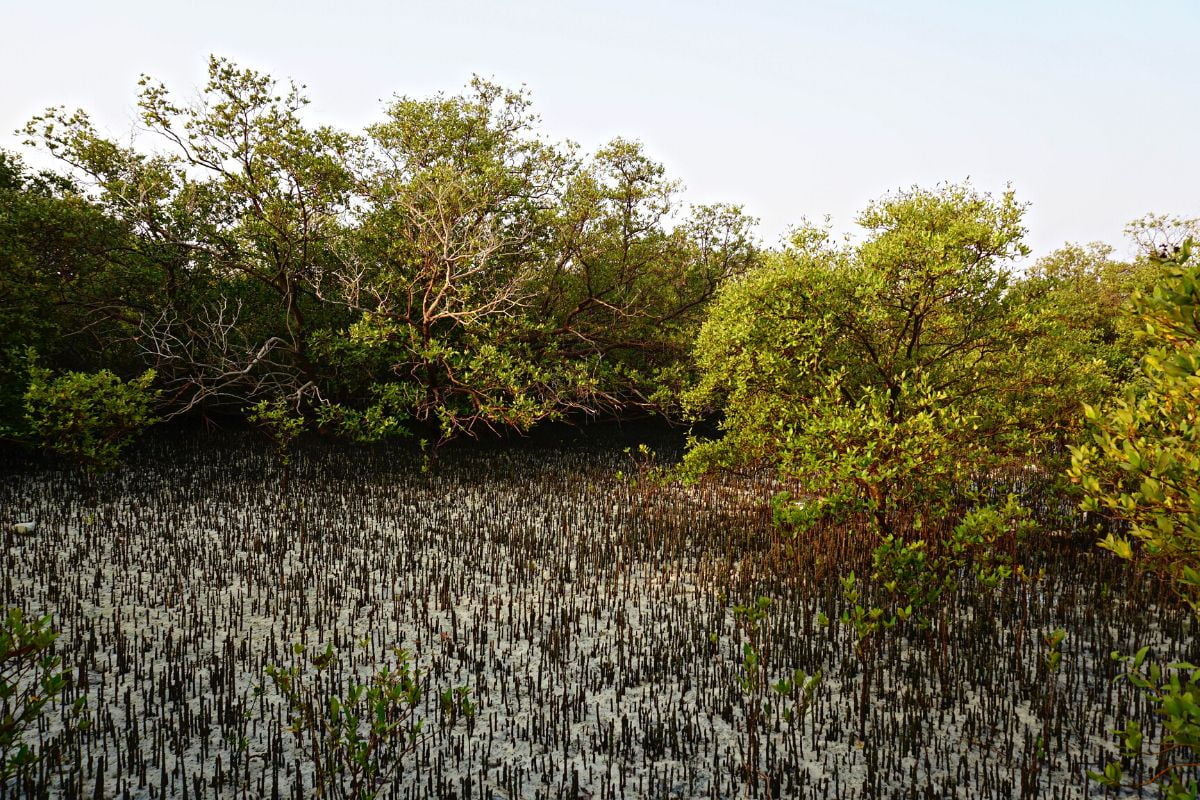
(1090, 108)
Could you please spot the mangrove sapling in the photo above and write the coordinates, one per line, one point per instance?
(1051, 662)
(1175, 691)
(790, 697)
(646, 475)
(282, 425)
(356, 739)
(30, 679)
(751, 680)
(913, 582)
(917, 576)
(990, 539)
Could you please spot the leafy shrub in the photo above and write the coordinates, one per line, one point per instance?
(89, 417)
(1140, 465)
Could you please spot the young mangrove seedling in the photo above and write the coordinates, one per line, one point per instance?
(356, 736)
(31, 678)
(785, 700)
(1174, 692)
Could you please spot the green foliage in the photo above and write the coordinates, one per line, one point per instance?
(356, 736)
(444, 260)
(1140, 462)
(384, 418)
(87, 417)
(989, 540)
(448, 266)
(1051, 663)
(30, 679)
(626, 291)
(646, 472)
(63, 261)
(1175, 692)
(884, 452)
(1075, 290)
(879, 377)
(451, 266)
(1140, 465)
(1053, 642)
(514, 282)
(281, 422)
(915, 575)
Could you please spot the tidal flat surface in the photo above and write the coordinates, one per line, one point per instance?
(592, 618)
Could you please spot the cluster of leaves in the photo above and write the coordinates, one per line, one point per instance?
(357, 736)
(88, 417)
(280, 422)
(914, 575)
(766, 703)
(1175, 692)
(1141, 460)
(31, 677)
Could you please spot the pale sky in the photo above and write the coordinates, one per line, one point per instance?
(1091, 109)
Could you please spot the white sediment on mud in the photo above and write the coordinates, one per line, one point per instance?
(592, 621)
